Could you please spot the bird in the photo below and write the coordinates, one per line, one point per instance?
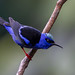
(27, 36)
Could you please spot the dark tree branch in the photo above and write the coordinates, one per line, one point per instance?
(24, 63)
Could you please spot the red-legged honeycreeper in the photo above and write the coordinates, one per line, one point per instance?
(26, 36)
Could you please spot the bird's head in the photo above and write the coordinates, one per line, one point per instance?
(47, 41)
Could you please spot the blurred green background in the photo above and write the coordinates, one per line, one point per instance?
(36, 13)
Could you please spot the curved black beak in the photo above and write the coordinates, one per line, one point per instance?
(57, 45)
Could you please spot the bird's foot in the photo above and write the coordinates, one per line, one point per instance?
(29, 57)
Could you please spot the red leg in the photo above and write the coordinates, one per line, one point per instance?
(29, 57)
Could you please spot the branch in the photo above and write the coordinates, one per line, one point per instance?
(24, 63)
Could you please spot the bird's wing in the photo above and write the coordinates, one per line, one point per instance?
(30, 33)
(15, 27)
(27, 33)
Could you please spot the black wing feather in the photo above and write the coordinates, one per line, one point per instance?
(32, 34)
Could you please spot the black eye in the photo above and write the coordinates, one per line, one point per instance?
(49, 41)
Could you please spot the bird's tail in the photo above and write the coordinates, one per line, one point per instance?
(2, 21)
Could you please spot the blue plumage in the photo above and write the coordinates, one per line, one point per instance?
(9, 29)
(27, 36)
